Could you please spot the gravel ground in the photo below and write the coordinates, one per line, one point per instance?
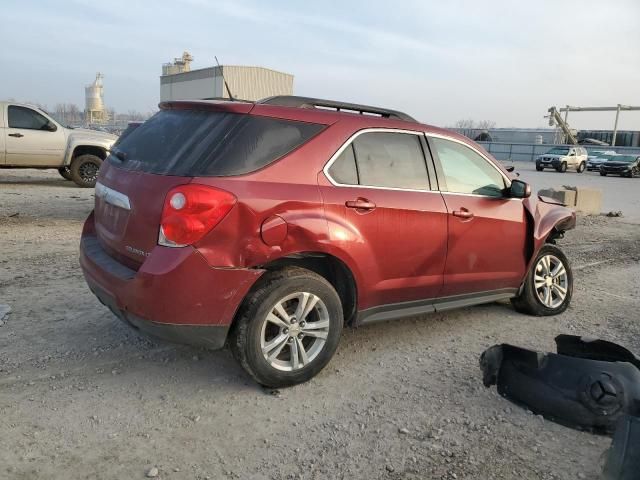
(83, 396)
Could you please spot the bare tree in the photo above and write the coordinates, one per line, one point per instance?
(465, 123)
(486, 124)
(469, 123)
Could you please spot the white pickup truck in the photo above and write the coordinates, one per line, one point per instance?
(30, 138)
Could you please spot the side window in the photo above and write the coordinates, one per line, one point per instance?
(465, 171)
(22, 117)
(344, 169)
(394, 160)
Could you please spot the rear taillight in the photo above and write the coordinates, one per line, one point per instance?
(190, 211)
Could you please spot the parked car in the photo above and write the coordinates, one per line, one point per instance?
(30, 138)
(562, 158)
(597, 158)
(271, 225)
(624, 165)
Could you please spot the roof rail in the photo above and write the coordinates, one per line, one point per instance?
(306, 102)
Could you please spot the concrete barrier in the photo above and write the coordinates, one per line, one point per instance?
(589, 200)
(568, 197)
(584, 200)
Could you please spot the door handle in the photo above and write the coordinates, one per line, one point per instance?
(463, 213)
(360, 204)
(17, 135)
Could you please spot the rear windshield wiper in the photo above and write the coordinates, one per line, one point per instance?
(122, 156)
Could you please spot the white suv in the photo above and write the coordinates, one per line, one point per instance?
(562, 158)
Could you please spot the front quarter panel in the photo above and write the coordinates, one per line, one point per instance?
(78, 139)
(546, 218)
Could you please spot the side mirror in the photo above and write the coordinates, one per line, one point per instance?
(50, 127)
(510, 168)
(519, 189)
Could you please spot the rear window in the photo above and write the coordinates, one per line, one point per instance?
(202, 143)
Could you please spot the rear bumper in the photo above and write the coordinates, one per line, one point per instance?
(175, 295)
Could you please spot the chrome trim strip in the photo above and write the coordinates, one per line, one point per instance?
(112, 197)
(335, 156)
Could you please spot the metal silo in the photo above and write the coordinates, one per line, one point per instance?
(94, 101)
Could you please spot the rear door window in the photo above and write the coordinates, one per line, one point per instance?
(204, 143)
(393, 160)
(344, 169)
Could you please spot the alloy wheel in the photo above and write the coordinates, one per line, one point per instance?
(88, 171)
(550, 281)
(295, 331)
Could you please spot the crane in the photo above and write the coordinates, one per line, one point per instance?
(556, 119)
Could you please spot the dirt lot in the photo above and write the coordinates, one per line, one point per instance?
(82, 396)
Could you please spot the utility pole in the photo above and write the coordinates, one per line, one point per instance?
(615, 127)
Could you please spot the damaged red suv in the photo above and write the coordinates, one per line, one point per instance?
(270, 226)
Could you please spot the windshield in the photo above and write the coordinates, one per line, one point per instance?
(624, 158)
(558, 151)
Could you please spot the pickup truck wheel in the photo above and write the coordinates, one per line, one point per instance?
(65, 172)
(581, 167)
(288, 327)
(548, 287)
(84, 170)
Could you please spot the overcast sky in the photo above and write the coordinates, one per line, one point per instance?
(440, 61)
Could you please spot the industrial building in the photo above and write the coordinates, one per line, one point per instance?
(94, 110)
(179, 82)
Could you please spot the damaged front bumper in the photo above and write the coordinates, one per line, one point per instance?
(588, 385)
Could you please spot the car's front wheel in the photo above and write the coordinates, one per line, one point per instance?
(562, 167)
(603, 174)
(548, 287)
(288, 328)
(539, 168)
(84, 170)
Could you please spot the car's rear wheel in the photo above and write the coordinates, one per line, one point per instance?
(65, 172)
(288, 328)
(548, 287)
(84, 170)
(581, 167)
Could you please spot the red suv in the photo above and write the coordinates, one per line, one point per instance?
(271, 225)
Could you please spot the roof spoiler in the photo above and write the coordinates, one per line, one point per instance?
(307, 102)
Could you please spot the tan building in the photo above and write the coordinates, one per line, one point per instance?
(245, 83)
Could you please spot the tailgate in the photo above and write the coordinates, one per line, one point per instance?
(128, 208)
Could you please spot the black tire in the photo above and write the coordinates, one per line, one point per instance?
(562, 167)
(539, 168)
(529, 302)
(247, 332)
(65, 172)
(84, 170)
(603, 174)
(581, 167)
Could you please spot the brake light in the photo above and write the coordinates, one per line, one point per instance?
(190, 211)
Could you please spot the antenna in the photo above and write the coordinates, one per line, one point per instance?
(231, 97)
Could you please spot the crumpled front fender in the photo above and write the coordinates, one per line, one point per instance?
(547, 219)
